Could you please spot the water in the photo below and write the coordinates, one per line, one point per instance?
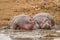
(39, 34)
(4, 37)
(56, 38)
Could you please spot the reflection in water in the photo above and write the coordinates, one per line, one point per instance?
(4, 37)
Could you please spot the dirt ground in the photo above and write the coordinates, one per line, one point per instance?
(10, 8)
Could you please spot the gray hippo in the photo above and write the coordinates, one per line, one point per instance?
(23, 21)
(44, 20)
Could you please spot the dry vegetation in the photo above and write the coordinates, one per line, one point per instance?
(10, 8)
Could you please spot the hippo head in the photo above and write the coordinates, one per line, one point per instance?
(45, 23)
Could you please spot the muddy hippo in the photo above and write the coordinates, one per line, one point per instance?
(44, 20)
(22, 21)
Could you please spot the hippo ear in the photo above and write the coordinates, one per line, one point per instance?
(30, 20)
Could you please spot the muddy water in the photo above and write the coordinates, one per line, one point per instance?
(39, 34)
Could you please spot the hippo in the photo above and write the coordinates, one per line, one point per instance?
(45, 20)
(23, 21)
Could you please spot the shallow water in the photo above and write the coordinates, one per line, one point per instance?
(4, 37)
(56, 38)
(39, 34)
